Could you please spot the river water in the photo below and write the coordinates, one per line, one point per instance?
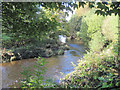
(56, 64)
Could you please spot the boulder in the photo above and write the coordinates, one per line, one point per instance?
(48, 53)
(67, 47)
(6, 57)
(60, 52)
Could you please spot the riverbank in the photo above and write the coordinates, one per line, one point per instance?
(44, 49)
(101, 68)
(55, 65)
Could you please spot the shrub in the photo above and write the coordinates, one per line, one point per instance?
(97, 42)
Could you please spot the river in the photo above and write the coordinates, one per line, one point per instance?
(56, 64)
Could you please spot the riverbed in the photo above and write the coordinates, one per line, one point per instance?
(55, 65)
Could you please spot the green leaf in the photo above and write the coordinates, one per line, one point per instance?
(110, 79)
(104, 85)
(29, 84)
(117, 84)
(95, 77)
(100, 78)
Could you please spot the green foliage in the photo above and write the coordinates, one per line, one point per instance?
(99, 68)
(83, 32)
(75, 21)
(104, 8)
(5, 37)
(94, 72)
(34, 79)
(97, 42)
(25, 19)
(31, 22)
(78, 34)
(90, 25)
(110, 28)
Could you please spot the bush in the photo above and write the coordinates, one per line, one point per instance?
(97, 42)
(94, 72)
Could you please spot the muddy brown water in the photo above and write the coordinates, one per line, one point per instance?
(56, 64)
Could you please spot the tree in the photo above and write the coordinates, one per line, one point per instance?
(24, 14)
(104, 8)
(25, 20)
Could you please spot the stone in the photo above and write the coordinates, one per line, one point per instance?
(60, 52)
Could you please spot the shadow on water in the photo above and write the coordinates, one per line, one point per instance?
(11, 71)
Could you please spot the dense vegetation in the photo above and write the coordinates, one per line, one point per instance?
(30, 25)
(31, 31)
(100, 66)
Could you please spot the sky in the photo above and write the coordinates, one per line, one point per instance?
(68, 17)
(70, 14)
